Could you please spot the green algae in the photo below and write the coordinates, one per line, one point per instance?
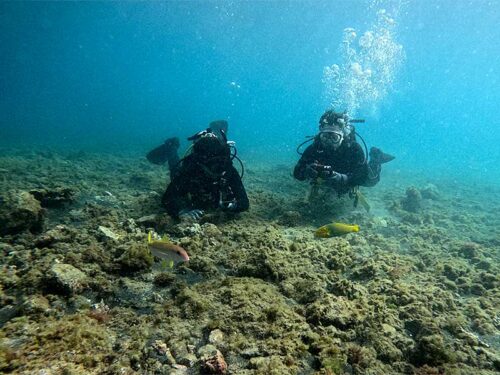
(164, 279)
(418, 295)
(135, 257)
(74, 339)
(431, 350)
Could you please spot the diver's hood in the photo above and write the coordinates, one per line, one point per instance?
(209, 146)
(332, 118)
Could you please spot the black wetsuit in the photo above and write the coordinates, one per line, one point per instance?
(198, 183)
(348, 159)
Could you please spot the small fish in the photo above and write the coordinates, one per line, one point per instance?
(167, 251)
(335, 229)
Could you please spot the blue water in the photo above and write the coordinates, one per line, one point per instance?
(124, 76)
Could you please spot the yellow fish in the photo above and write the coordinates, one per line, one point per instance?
(335, 229)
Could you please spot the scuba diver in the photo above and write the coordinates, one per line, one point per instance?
(205, 179)
(336, 159)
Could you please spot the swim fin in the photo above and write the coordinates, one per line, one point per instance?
(377, 156)
(162, 153)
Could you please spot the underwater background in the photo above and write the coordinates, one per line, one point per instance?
(125, 76)
(88, 88)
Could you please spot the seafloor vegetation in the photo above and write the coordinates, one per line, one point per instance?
(416, 291)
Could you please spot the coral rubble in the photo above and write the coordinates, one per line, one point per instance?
(416, 291)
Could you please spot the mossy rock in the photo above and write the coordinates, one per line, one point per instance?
(328, 353)
(387, 351)
(337, 311)
(431, 350)
(71, 339)
(20, 211)
(261, 263)
(303, 290)
(65, 279)
(203, 265)
(192, 302)
(164, 279)
(272, 365)
(54, 198)
(413, 200)
(250, 312)
(134, 257)
(360, 357)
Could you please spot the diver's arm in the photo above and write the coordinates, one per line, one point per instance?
(175, 199)
(172, 200)
(359, 171)
(300, 170)
(238, 190)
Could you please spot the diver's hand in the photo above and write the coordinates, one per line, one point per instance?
(336, 179)
(311, 171)
(191, 214)
(230, 207)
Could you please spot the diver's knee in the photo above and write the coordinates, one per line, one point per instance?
(373, 176)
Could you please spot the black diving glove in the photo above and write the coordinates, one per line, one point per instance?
(336, 179)
(228, 206)
(311, 171)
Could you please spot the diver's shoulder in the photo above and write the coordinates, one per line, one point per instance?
(355, 147)
(311, 149)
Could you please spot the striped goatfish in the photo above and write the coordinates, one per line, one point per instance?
(166, 250)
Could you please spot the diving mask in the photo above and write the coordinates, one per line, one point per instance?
(331, 138)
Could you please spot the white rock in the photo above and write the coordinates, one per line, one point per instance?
(216, 337)
(108, 233)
